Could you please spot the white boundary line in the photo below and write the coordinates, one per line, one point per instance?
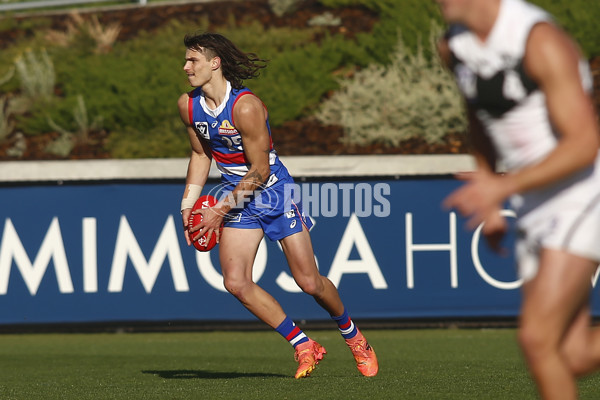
(175, 168)
(30, 5)
(37, 8)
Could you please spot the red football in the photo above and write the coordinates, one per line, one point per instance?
(202, 244)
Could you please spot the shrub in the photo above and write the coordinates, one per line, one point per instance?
(299, 69)
(266, 42)
(9, 77)
(135, 87)
(103, 36)
(6, 125)
(411, 17)
(295, 81)
(61, 146)
(131, 86)
(412, 97)
(281, 7)
(168, 139)
(36, 74)
(37, 77)
(65, 143)
(579, 18)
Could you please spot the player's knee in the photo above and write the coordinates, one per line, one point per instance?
(310, 285)
(235, 286)
(230, 286)
(577, 364)
(578, 360)
(533, 341)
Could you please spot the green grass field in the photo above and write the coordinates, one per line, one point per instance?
(414, 364)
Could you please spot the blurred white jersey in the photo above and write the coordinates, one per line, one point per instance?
(492, 77)
(512, 109)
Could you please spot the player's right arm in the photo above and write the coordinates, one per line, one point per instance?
(198, 167)
(484, 153)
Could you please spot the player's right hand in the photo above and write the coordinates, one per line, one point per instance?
(494, 229)
(185, 215)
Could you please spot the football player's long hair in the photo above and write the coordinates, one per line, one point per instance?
(236, 65)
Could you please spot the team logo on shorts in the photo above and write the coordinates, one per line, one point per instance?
(234, 217)
(290, 214)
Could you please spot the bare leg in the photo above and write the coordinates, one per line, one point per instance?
(581, 345)
(237, 250)
(299, 253)
(300, 256)
(553, 303)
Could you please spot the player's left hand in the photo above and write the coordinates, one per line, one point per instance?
(479, 198)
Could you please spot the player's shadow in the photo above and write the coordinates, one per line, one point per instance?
(200, 374)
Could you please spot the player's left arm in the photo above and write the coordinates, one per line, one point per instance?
(552, 60)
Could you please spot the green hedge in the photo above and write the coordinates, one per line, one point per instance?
(578, 17)
(134, 88)
(411, 17)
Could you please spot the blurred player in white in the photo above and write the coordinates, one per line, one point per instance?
(228, 123)
(526, 88)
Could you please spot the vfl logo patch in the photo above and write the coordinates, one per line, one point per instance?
(202, 130)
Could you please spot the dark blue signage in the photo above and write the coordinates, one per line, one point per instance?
(116, 252)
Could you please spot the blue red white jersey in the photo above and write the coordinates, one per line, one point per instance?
(217, 127)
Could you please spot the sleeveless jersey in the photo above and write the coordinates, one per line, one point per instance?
(217, 127)
(493, 80)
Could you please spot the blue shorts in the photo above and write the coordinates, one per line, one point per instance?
(273, 211)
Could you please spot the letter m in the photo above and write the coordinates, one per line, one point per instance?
(52, 247)
(127, 247)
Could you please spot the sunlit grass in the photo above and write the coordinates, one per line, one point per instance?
(414, 364)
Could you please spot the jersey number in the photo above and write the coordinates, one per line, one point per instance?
(233, 143)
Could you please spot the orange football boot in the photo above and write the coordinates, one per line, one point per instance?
(308, 355)
(366, 360)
